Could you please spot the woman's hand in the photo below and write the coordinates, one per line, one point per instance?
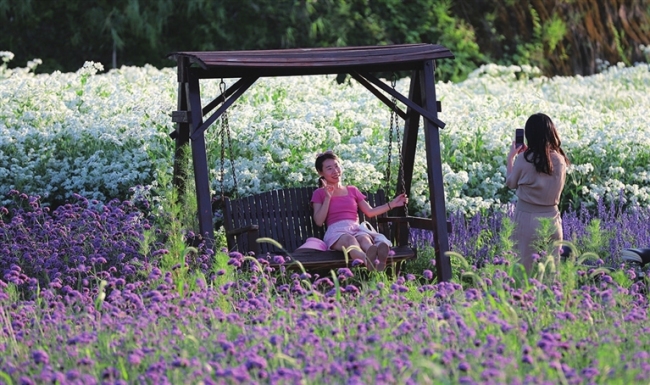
(329, 190)
(516, 149)
(399, 201)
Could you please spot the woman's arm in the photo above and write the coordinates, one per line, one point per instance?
(369, 211)
(512, 178)
(320, 211)
(512, 155)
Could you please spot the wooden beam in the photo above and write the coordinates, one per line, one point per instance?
(222, 98)
(434, 172)
(429, 115)
(199, 130)
(364, 82)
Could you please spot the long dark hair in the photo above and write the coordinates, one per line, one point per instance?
(542, 138)
(320, 159)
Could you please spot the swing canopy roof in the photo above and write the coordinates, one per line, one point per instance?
(313, 61)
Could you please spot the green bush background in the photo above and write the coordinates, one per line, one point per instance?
(558, 36)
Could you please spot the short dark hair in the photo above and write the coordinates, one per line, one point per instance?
(320, 159)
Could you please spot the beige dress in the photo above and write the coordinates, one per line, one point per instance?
(538, 195)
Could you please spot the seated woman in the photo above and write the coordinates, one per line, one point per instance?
(337, 205)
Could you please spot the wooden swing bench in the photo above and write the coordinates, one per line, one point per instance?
(286, 216)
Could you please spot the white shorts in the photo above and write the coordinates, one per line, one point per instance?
(340, 228)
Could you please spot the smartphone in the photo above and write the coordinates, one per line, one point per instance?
(519, 137)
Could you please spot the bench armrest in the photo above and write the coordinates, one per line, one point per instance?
(251, 233)
(242, 230)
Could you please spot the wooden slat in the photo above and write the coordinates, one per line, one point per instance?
(246, 214)
(263, 215)
(310, 226)
(285, 222)
(267, 218)
(326, 53)
(380, 198)
(295, 220)
(303, 223)
(289, 218)
(227, 219)
(277, 222)
(280, 218)
(302, 230)
(238, 220)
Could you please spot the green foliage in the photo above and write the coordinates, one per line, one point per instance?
(459, 36)
(425, 255)
(543, 242)
(144, 32)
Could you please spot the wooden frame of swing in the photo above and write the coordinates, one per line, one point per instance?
(360, 63)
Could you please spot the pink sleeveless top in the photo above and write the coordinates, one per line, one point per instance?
(343, 207)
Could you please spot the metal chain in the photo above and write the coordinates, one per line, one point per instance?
(222, 172)
(398, 134)
(390, 140)
(226, 137)
(230, 151)
(394, 130)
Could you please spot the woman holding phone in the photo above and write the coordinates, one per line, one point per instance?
(537, 170)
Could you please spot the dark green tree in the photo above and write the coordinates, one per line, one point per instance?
(561, 37)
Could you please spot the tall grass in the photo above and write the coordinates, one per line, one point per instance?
(122, 291)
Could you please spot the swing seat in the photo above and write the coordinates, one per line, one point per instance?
(286, 216)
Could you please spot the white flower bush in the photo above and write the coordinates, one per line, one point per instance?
(96, 135)
(100, 134)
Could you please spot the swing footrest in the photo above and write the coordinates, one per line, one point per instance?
(316, 260)
(640, 256)
(415, 222)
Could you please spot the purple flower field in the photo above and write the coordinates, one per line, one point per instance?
(91, 293)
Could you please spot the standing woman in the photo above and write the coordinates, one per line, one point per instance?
(538, 174)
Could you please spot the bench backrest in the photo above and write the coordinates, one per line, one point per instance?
(284, 215)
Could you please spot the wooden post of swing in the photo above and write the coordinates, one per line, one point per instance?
(434, 172)
(181, 135)
(200, 162)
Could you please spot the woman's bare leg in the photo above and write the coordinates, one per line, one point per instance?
(365, 242)
(382, 256)
(349, 241)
